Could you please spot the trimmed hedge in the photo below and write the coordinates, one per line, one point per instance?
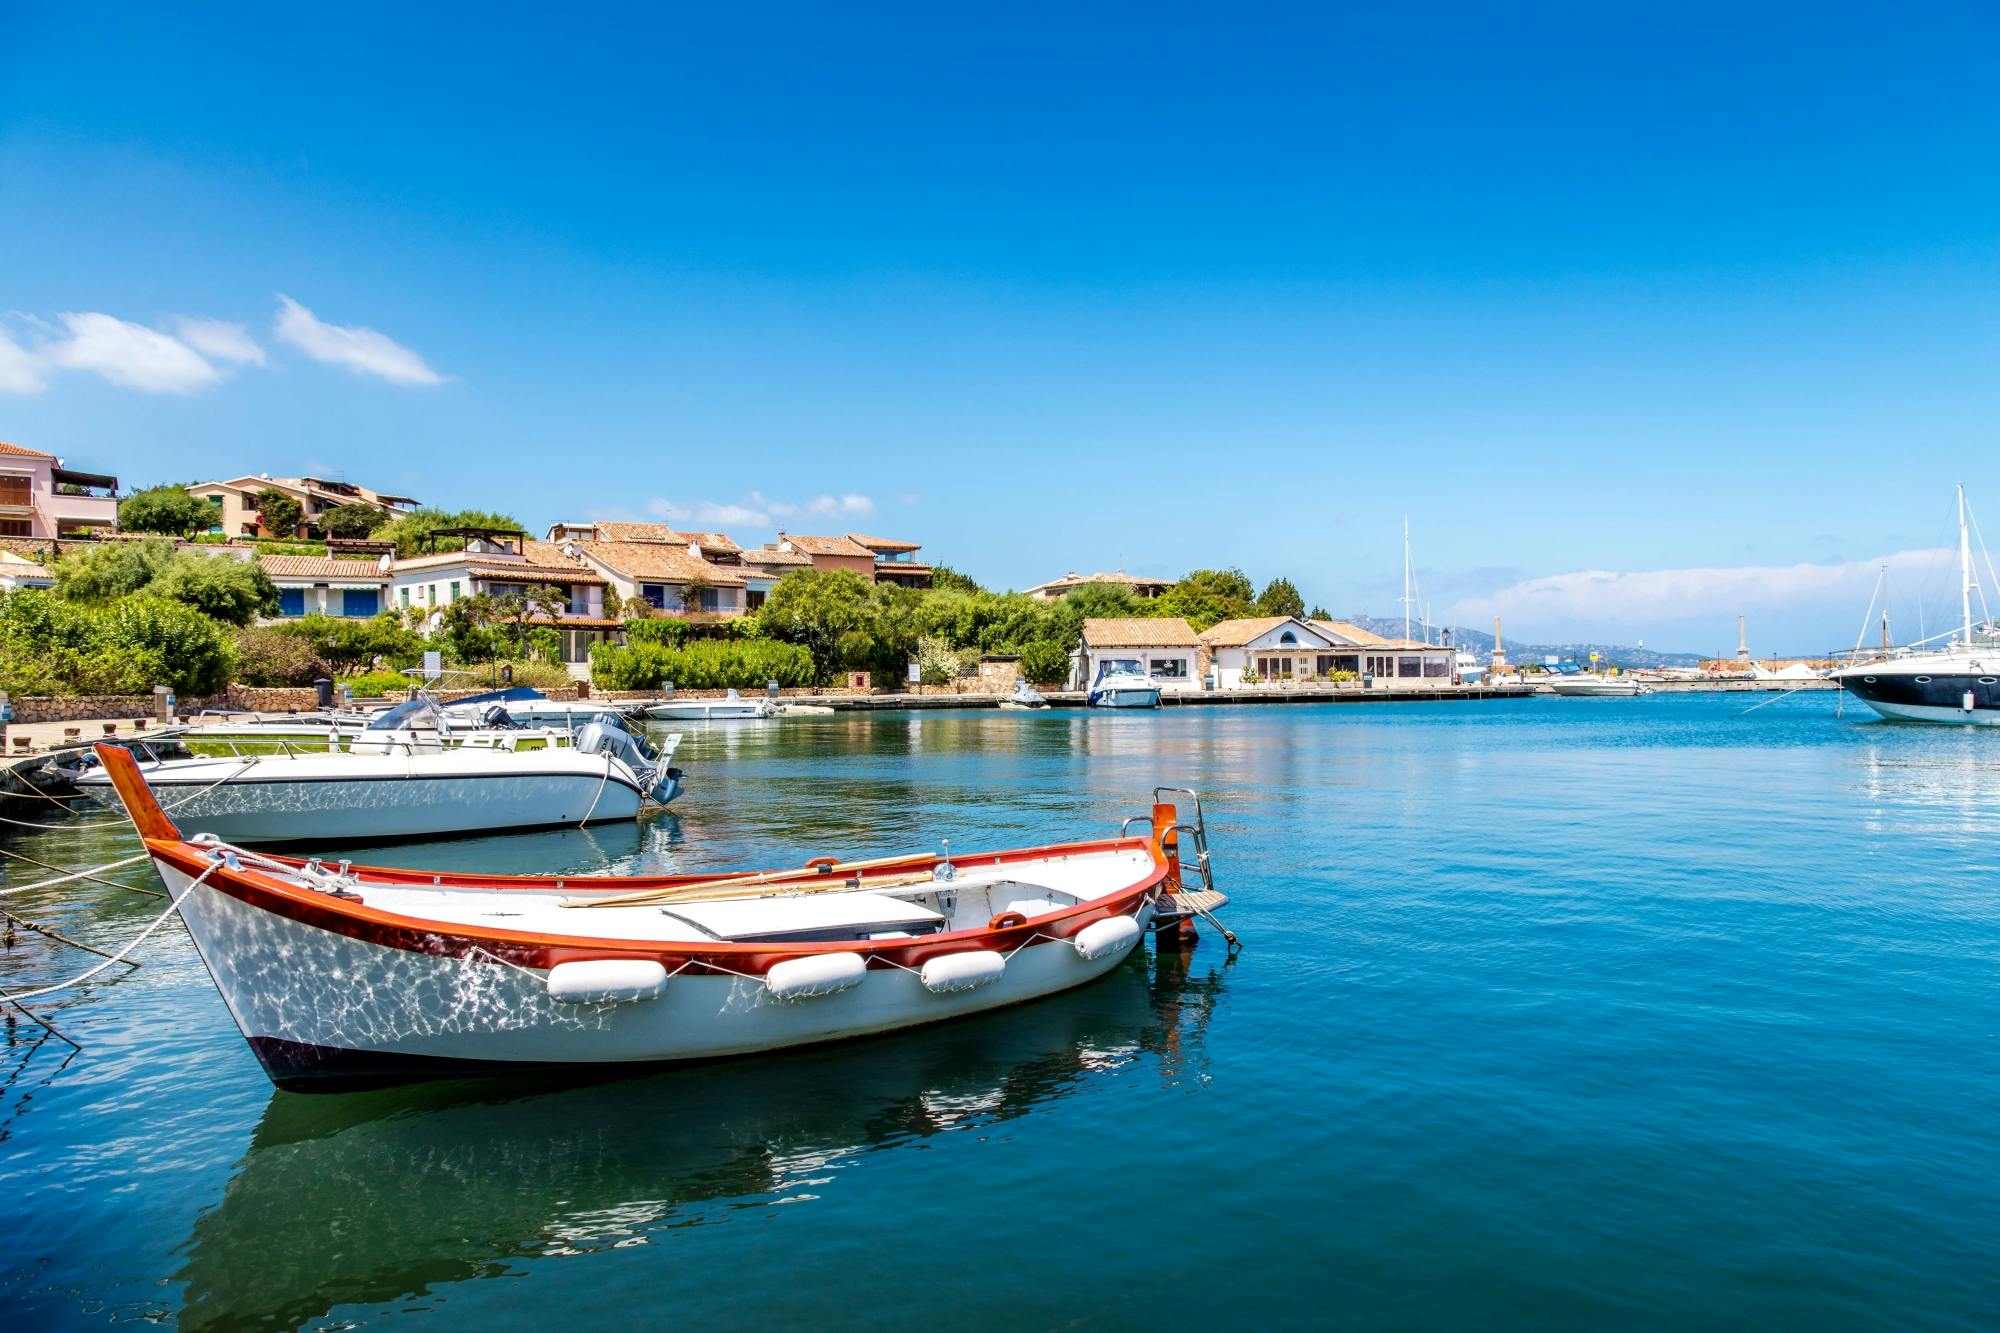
(706, 664)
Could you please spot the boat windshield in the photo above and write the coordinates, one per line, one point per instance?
(1120, 666)
(415, 715)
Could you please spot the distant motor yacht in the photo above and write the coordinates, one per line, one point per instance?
(1123, 683)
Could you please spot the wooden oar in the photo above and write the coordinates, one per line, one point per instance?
(698, 893)
(835, 872)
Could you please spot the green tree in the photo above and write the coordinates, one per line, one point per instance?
(233, 591)
(465, 628)
(950, 580)
(1281, 598)
(1319, 613)
(192, 652)
(355, 521)
(110, 570)
(409, 530)
(167, 510)
(1206, 597)
(278, 514)
(816, 609)
(350, 645)
(1045, 662)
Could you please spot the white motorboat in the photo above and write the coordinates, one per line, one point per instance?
(530, 708)
(732, 708)
(352, 974)
(1596, 685)
(398, 782)
(1123, 683)
(1956, 685)
(1025, 696)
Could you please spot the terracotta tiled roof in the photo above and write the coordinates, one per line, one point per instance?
(906, 566)
(18, 451)
(1238, 633)
(828, 545)
(771, 555)
(524, 573)
(883, 543)
(1076, 580)
(320, 567)
(1140, 632)
(547, 554)
(1353, 634)
(712, 541)
(653, 560)
(635, 532)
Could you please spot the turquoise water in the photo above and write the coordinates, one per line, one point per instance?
(1553, 1014)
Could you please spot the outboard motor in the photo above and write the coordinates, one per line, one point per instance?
(499, 719)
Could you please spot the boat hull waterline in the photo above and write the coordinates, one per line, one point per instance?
(1928, 690)
(354, 798)
(332, 985)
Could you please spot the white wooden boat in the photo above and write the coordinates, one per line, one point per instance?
(348, 973)
(733, 708)
(396, 789)
(1123, 683)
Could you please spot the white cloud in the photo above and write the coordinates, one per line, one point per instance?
(220, 340)
(361, 350)
(827, 506)
(129, 354)
(21, 371)
(1819, 601)
(758, 510)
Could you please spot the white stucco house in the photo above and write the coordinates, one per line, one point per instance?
(1165, 647)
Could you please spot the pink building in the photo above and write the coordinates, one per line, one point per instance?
(39, 497)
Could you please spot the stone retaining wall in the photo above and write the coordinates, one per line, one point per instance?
(90, 707)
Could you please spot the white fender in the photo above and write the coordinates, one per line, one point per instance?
(606, 981)
(962, 971)
(1109, 936)
(816, 974)
(1968, 701)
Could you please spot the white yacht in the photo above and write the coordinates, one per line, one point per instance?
(1958, 684)
(1122, 682)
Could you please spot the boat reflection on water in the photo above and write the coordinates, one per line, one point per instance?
(367, 1198)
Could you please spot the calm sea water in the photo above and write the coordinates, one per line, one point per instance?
(1553, 1014)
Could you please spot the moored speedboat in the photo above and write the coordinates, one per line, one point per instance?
(732, 708)
(362, 974)
(1123, 683)
(1024, 696)
(393, 785)
(1591, 685)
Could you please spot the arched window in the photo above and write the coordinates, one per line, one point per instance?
(1288, 637)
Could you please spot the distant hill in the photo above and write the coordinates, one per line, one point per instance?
(1616, 654)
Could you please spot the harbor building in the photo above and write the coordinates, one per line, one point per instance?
(235, 502)
(1166, 648)
(317, 585)
(40, 498)
(1276, 650)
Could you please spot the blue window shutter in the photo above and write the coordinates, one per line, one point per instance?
(291, 601)
(363, 602)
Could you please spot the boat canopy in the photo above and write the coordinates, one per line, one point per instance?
(411, 715)
(518, 694)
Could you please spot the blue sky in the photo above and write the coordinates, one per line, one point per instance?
(1645, 320)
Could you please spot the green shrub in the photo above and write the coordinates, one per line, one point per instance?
(268, 656)
(350, 646)
(168, 510)
(706, 664)
(937, 664)
(194, 654)
(672, 633)
(532, 675)
(379, 684)
(1044, 663)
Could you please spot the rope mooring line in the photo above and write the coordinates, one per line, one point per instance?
(81, 874)
(119, 957)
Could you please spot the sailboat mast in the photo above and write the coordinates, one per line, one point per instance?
(1964, 568)
(1406, 578)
